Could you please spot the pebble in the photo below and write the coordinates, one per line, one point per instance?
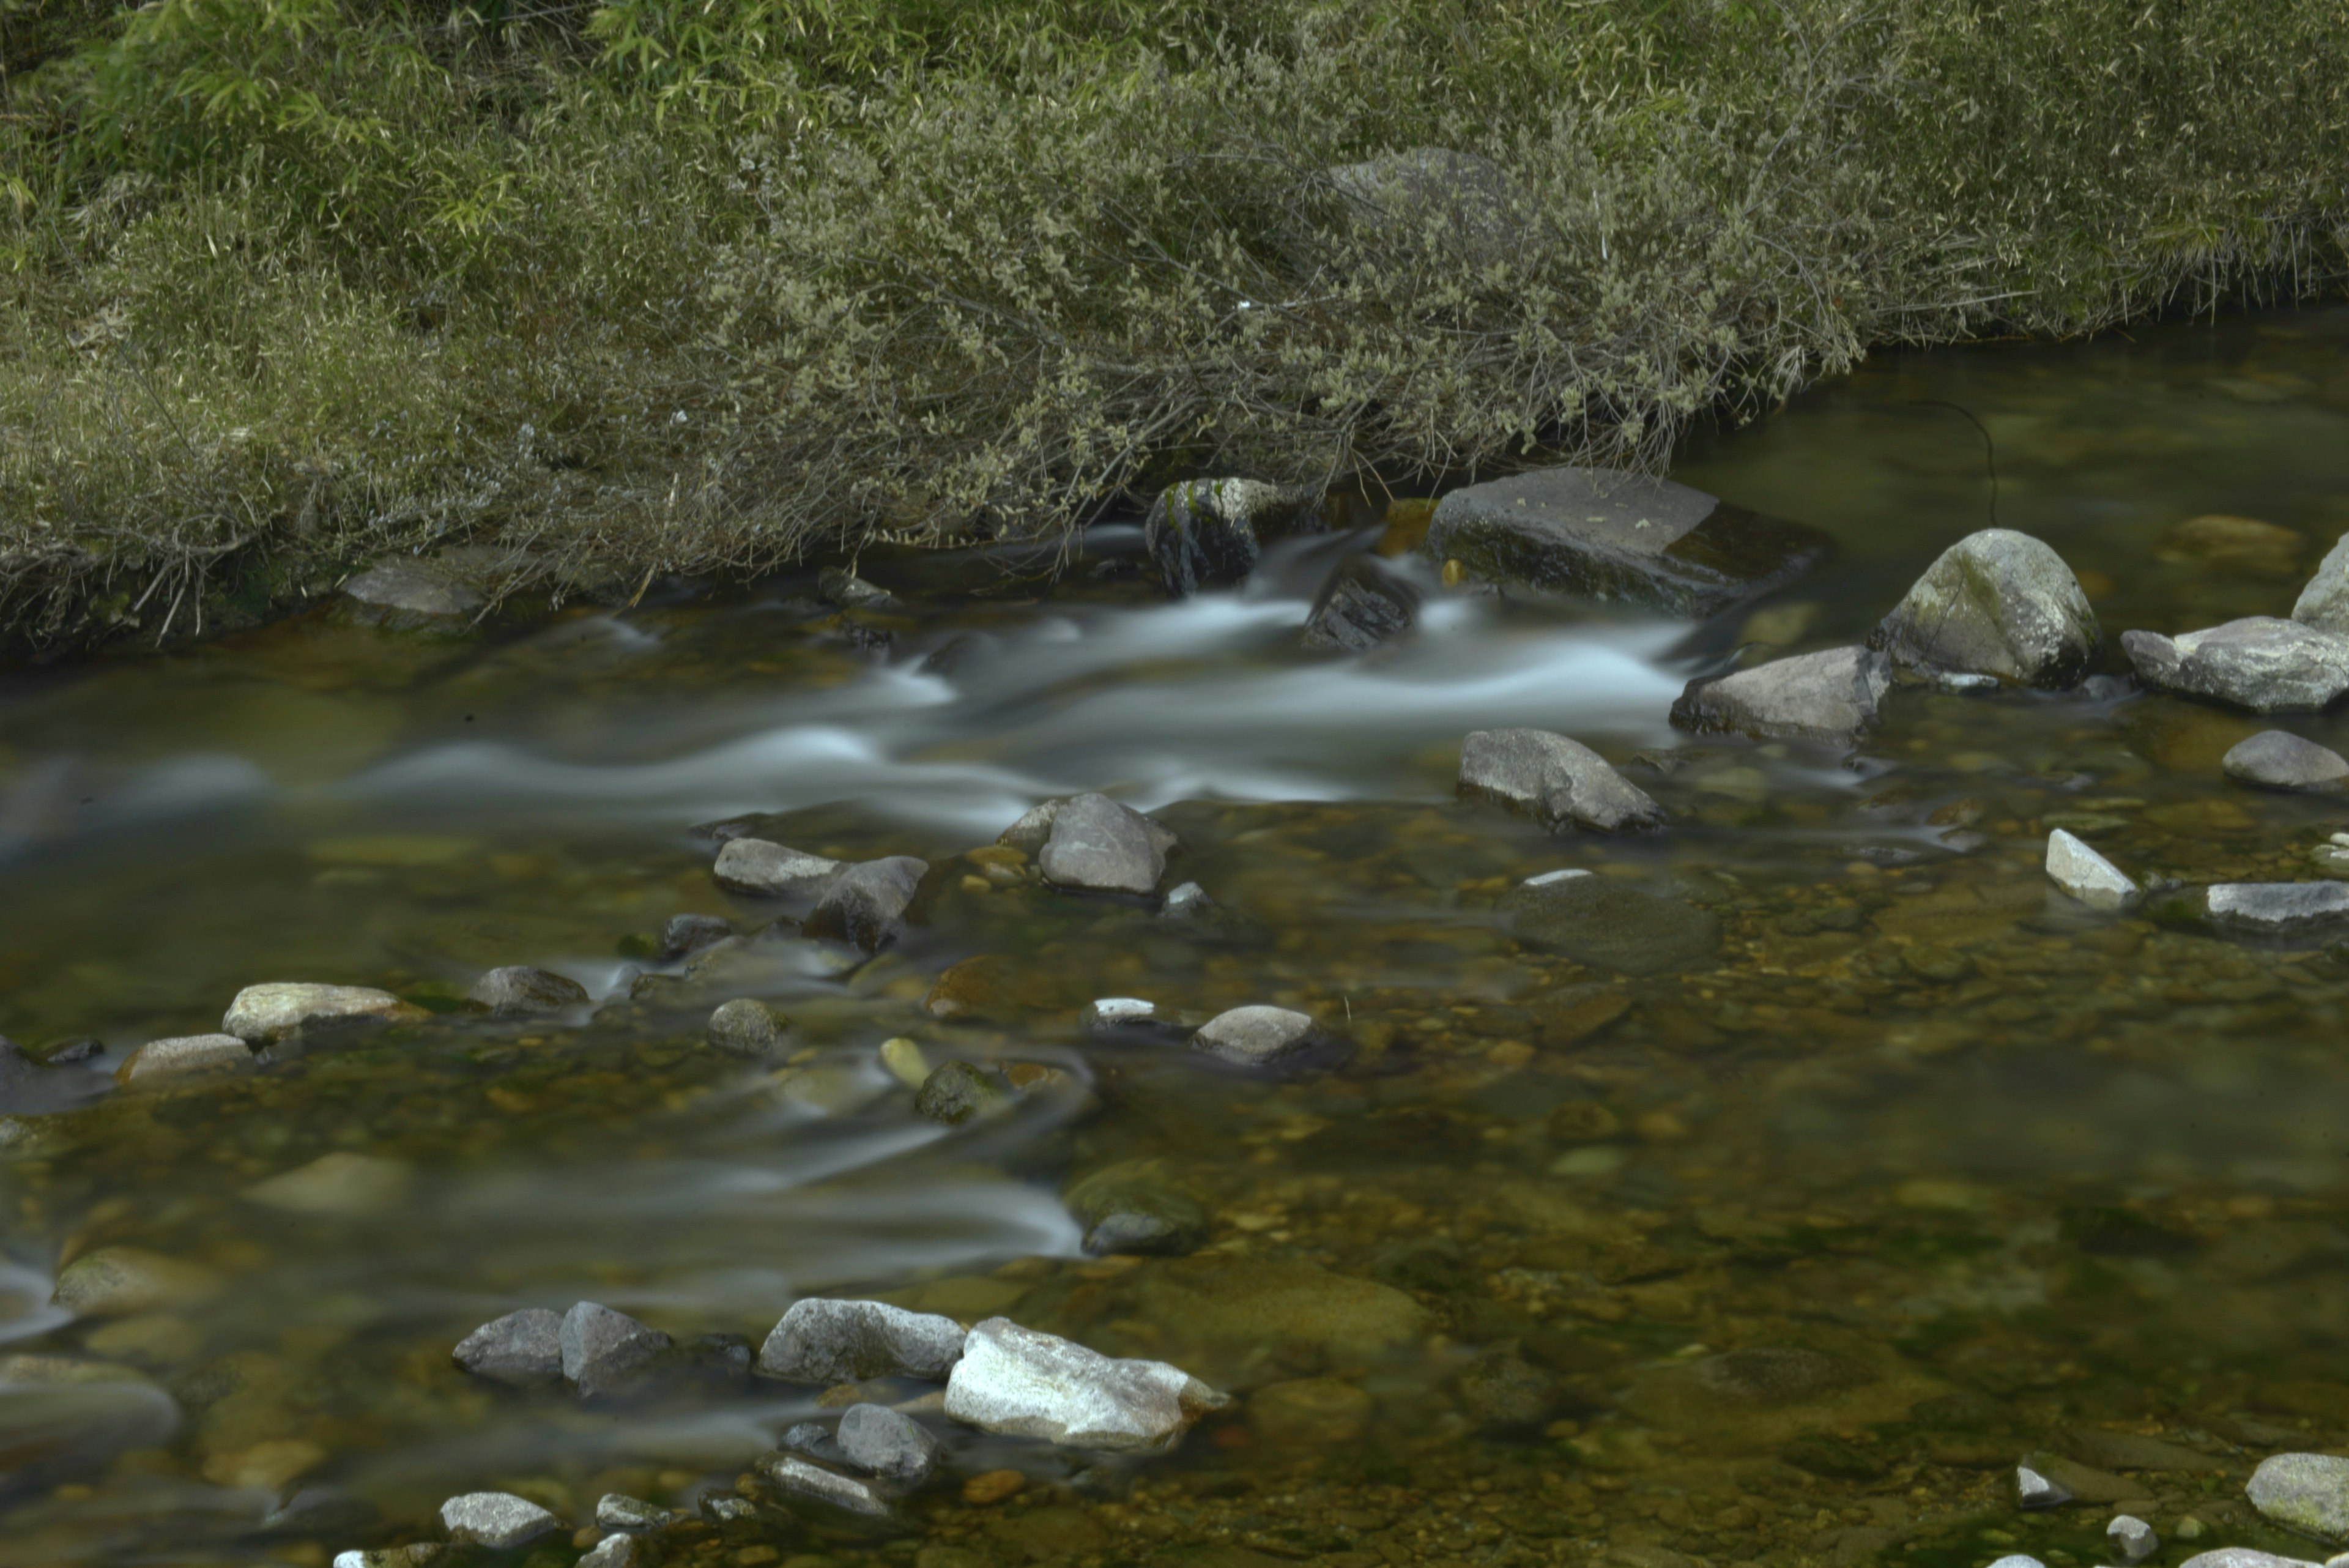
(498, 1519)
(263, 1013)
(826, 1342)
(904, 1061)
(2033, 1490)
(799, 1478)
(2279, 908)
(618, 1510)
(1098, 846)
(1257, 1036)
(184, 1057)
(2133, 1538)
(867, 903)
(747, 1027)
(519, 989)
(2278, 759)
(1112, 1017)
(2017, 1560)
(2304, 1492)
(2086, 875)
(604, 1350)
(763, 869)
(1014, 1381)
(1558, 782)
(521, 1350)
(879, 1441)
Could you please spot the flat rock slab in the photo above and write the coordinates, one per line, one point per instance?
(521, 1350)
(829, 1342)
(2266, 665)
(2278, 759)
(763, 869)
(263, 1013)
(2279, 908)
(184, 1057)
(1558, 782)
(1832, 698)
(498, 1519)
(1097, 846)
(1995, 603)
(1016, 1382)
(1598, 922)
(2308, 1493)
(1606, 534)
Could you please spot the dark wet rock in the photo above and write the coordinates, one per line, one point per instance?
(1613, 535)
(958, 1092)
(605, 1351)
(2134, 1451)
(410, 596)
(264, 1014)
(1260, 1036)
(2087, 875)
(747, 1027)
(521, 1349)
(2279, 908)
(828, 1342)
(1598, 921)
(1363, 604)
(806, 1481)
(2325, 602)
(30, 1083)
(868, 903)
(881, 1442)
(1560, 782)
(849, 591)
(1098, 846)
(2306, 1493)
(812, 1439)
(71, 1050)
(617, 1510)
(719, 1360)
(519, 989)
(1995, 603)
(1502, 1392)
(184, 1057)
(1208, 533)
(2267, 665)
(2278, 759)
(686, 935)
(498, 1519)
(1135, 1207)
(1832, 697)
(766, 870)
(1016, 1382)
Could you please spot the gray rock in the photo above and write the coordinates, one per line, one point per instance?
(2279, 908)
(1187, 902)
(746, 1027)
(849, 591)
(519, 989)
(2132, 1538)
(1996, 603)
(1559, 783)
(498, 1519)
(827, 1342)
(2325, 602)
(2017, 1560)
(410, 596)
(2278, 759)
(1598, 921)
(184, 1057)
(867, 903)
(521, 1349)
(1016, 1382)
(2307, 1493)
(881, 1442)
(811, 1438)
(1097, 846)
(1208, 533)
(618, 1510)
(263, 1013)
(2267, 665)
(2242, 1557)
(1363, 604)
(1257, 1036)
(2035, 1490)
(766, 870)
(686, 935)
(619, 1550)
(1613, 535)
(958, 1092)
(797, 1478)
(604, 1351)
(1832, 697)
(2086, 874)
(1134, 1208)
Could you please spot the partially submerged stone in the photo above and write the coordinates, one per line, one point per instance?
(1208, 533)
(2244, 1557)
(809, 1482)
(184, 1057)
(521, 1350)
(605, 1351)
(868, 903)
(1363, 603)
(1606, 534)
(1257, 1036)
(519, 989)
(763, 869)
(2266, 665)
(879, 1441)
(2035, 1490)
(2278, 759)
(263, 1013)
(2086, 875)
(1095, 845)
(684, 935)
(2279, 908)
(1558, 782)
(498, 1519)
(1832, 697)
(2325, 602)
(1598, 921)
(960, 1092)
(746, 1027)
(1136, 1207)
(828, 1342)
(1995, 603)
(1016, 1382)
(2307, 1493)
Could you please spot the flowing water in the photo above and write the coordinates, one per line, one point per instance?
(1788, 1255)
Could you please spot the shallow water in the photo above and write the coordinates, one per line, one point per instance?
(1788, 1255)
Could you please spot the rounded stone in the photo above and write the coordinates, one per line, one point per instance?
(747, 1027)
(2304, 1492)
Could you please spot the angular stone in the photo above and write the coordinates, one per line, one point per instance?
(1257, 1036)
(2133, 1539)
(1598, 921)
(1995, 603)
(184, 1057)
(2279, 908)
(766, 870)
(604, 1350)
(1208, 533)
(2278, 759)
(410, 596)
(2307, 1493)
(1016, 1382)
(844, 588)
(2086, 874)
(879, 1441)
(1557, 782)
(686, 935)
(1363, 604)
(521, 1350)
(867, 903)
(619, 1550)
(1098, 846)
(2267, 665)
(518, 988)
(829, 1342)
(263, 1013)
(2325, 602)
(498, 1519)
(809, 1482)
(1613, 535)
(2033, 1490)
(618, 1510)
(746, 1027)
(1833, 697)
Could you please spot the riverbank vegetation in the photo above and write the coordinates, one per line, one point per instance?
(698, 285)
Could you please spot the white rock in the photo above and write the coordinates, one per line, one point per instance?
(2035, 1490)
(619, 1550)
(266, 1012)
(2017, 1560)
(2258, 662)
(1548, 878)
(1109, 1013)
(496, 1519)
(903, 1060)
(1256, 1036)
(770, 870)
(1019, 1383)
(184, 1057)
(2086, 874)
(2133, 1538)
(2279, 908)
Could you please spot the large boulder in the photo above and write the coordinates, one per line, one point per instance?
(1363, 603)
(2278, 759)
(868, 903)
(1096, 845)
(1560, 782)
(2267, 665)
(1598, 921)
(2325, 602)
(1208, 533)
(1995, 603)
(1613, 535)
(1016, 1382)
(1834, 697)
